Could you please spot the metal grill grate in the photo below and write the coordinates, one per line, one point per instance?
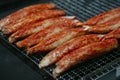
(83, 9)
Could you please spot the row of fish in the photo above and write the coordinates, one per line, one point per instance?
(41, 28)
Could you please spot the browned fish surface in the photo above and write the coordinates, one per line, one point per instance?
(55, 40)
(113, 34)
(68, 47)
(103, 17)
(12, 18)
(38, 16)
(36, 27)
(45, 33)
(85, 53)
(105, 27)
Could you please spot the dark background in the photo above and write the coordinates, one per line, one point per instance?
(12, 68)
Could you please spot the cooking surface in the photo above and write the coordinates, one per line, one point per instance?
(83, 9)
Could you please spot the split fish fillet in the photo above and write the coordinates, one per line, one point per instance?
(85, 53)
(49, 31)
(12, 18)
(67, 47)
(103, 17)
(56, 40)
(105, 27)
(36, 27)
(113, 34)
(38, 16)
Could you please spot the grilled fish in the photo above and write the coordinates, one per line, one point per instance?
(113, 34)
(12, 18)
(105, 27)
(38, 16)
(85, 53)
(36, 27)
(103, 17)
(45, 33)
(67, 47)
(55, 40)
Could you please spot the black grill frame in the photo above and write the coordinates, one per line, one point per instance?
(83, 9)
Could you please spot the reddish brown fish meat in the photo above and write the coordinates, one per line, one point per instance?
(113, 34)
(103, 17)
(85, 53)
(12, 18)
(45, 33)
(36, 27)
(38, 16)
(55, 40)
(105, 27)
(67, 47)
